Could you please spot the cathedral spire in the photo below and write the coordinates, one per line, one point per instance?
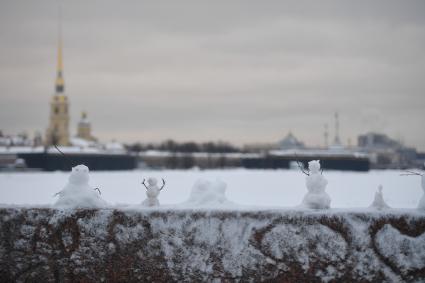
(58, 131)
(60, 83)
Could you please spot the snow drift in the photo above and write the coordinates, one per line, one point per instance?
(207, 193)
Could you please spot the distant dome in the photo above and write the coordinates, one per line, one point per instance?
(290, 142)
(84, 128)
(84, 120)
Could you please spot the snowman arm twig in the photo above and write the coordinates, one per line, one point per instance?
(57, 194)
(301, 167)
(163, 184)
(144, 184)
(98, 190)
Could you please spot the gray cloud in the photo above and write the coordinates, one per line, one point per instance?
(243, 71)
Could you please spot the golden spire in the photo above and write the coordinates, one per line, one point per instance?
(60, 83)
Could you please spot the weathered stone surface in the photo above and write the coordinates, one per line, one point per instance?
(48, 245)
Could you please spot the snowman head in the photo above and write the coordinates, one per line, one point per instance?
(152, 182)
(79, 175)
(314, 166)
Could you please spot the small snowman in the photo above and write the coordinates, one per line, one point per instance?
(316, 197)
(77, 193)
(379, 203)
(152, 192)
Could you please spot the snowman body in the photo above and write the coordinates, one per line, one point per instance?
(77, 193)
(152, 193)
(379, 202)
(316, 197)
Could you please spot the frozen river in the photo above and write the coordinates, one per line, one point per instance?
(277, 188)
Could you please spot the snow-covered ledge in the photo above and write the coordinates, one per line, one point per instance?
(48, 245)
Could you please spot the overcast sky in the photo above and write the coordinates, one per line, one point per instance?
(239, 71)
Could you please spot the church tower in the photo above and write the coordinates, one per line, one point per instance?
(58, 130)
(84, 128)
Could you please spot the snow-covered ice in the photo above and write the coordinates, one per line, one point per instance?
(270, 188)
(77, 193)
(316, 197)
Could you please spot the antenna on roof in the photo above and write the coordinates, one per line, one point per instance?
(326, 135)
(337, 140)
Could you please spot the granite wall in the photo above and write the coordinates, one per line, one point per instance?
(49, 245)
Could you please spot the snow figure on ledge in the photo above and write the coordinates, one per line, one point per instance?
(316, 197)
(78, 193)
(206, 193)
(421, 204)
(152, 192)
(379, 203)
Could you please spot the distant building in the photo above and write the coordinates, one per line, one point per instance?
(58, 130)
(386, 152)
(15, 140)
(259, 147)
(420, 160)
(290, 142)
(377, 141)
(38, 139)
(84, 128)
(337, 141)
